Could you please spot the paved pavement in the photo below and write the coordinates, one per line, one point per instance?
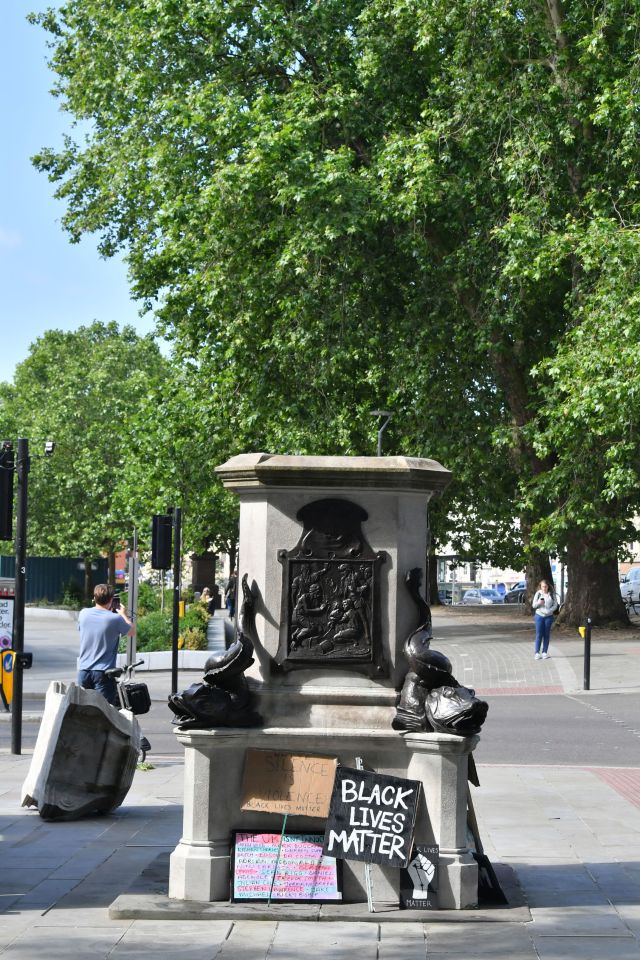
(571, 833)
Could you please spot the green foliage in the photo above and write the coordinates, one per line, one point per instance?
(592, 403)
(72, 595)
(148, 599)
(78, 389)
(193, 627)
(355, 204)
(194, 639)
(196, 615)
(153, 632)
(178, 425)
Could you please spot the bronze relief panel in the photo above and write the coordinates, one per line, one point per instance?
(330, 592)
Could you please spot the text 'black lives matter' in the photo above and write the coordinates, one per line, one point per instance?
(372, 817)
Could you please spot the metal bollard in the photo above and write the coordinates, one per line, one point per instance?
(585, 633)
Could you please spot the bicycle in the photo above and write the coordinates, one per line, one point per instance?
(133, 697)
(631, 604)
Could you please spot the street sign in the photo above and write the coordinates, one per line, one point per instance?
(6, 612)
(7, 660)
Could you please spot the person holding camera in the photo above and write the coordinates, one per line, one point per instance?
(100, 629)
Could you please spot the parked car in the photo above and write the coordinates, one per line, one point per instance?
(445, 596)
(630, 585)
(482, 595)
(517, 594)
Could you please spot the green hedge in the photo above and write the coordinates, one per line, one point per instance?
(154, 630)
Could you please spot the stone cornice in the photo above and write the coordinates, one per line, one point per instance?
(256, 470)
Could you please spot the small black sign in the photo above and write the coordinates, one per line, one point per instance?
(372, 817)
(419, 882)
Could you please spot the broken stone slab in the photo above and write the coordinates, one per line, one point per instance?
(85, 755)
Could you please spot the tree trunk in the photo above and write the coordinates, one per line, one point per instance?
(593, 588)
(111, 575)
(233, 559)
(538, 568)
(88, 578)
(433, 597)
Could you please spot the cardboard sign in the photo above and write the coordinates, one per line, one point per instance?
(372, 817)
(419, 882)
(296, 784)
(6, 622)
(303, 873)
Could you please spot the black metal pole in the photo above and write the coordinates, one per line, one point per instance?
(133, 599)
(22, 471)
(587, 655)
(177, 523)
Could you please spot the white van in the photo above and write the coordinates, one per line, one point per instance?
(630, 585)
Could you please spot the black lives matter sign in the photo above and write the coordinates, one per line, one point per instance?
(371, 817)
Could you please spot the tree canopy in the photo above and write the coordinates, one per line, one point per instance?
(79, 389)
(350, 204)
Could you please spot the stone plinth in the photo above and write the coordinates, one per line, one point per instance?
(394, 492)
(214, 763)
(326, 543)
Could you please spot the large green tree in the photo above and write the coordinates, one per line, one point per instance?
(79, 389)
(180, 438)
(358, 203)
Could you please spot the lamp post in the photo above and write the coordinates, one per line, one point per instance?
(22, 472)
(177, 530)
(382, 413)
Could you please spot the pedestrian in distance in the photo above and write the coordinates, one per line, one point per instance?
(100, 629)
(230, 594)
(544, 606)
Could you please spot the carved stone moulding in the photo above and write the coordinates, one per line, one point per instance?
(331, 592)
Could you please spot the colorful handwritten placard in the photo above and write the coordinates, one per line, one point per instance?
(303, 873)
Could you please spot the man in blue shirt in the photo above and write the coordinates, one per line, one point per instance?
(100, 631)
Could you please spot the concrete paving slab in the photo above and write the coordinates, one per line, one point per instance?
(595, 920)
(630, 915)
(22, 880)
(406, 940)
(555, 877)
(8, 901)
(480, 942)
(539, 897)
(335, 941)
(47, 893)
(11, 928)
(86, 916)
(60, 944)
(586, 948)
(191, 944)
(249, 940)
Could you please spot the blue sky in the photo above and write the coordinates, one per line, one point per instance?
(45, 281)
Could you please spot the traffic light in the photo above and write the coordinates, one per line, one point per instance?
(161, 528)
(6, 490)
